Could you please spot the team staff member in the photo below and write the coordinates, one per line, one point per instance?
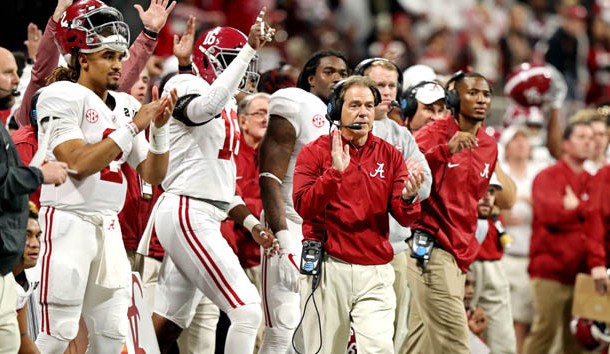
(564, 240)
(329, 190)
(425, 104)
(296, 117)
(462, 158)
(388, 78)
(492, 294)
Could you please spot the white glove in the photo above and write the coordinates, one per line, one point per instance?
(289, 260)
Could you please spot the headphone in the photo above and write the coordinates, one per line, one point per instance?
(452, 97)
(335, 103)
(410, 102)
(366, 63)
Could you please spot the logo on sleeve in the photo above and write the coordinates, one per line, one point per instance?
(485, 172)
(379, 171)
(92, 116)
(318, 121)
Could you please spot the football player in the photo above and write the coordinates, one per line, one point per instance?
(84, 265)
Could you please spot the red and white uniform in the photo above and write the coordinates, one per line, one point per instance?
(306, 112)
(81, 247)
(199, 190)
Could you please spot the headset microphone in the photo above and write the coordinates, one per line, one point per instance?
(355, 126)
(13, 92)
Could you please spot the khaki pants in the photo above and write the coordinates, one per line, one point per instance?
(492, 294)
(553, 306)
(360, 294)
(437, 318)
(9, 331)
(403, 297)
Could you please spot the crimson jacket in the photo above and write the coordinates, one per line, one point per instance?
(491, 248)
(357, 201)
(564, 242)
(601, 196)
(458, 182)
(238, 237)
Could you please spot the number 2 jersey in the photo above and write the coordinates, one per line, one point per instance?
(201, 162)
(72, 111)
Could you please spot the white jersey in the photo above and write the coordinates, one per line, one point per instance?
(26, 286)
(78, 113)
(201, 162)
(307, 114)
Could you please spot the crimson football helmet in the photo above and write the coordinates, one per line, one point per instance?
(591, 335)
(89, 26)
(216, 49)
(532, 85)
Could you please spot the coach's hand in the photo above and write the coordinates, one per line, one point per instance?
(340, 154)
(600, 277)
(289, 261)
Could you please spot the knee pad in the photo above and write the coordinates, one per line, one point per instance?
(276, 340)
(63, 321)
(247, 317)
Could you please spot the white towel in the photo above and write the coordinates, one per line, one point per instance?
(144, 245)
(114, 269)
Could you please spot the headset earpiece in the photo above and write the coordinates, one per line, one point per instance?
(452, 97)
(410, 102)
(366, 63)
(333, 108)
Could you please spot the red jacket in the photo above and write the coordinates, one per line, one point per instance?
(459, 181)
(244, 246)
(491, 248)
(601, 197)
(26, 143)
(564, 242)
(357, 201)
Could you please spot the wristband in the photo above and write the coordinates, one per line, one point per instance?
(288, 242)
(133, 127)
(270, 175)
(185, 68)
(122, 137)
(150, 33)
(159, 139)
(250, 221)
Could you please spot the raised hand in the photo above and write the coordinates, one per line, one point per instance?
(260, 32)
(415, 179)
(154, 18)
(33, 41)
(61, 7)
(183, 46)
(340, 154)
(168, 102)
(570, 200)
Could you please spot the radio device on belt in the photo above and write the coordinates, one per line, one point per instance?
(421, 249)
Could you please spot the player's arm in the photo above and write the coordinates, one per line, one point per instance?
(241, 214)
(154, 167)
(274, 156)
(27, 345)
(87, 159)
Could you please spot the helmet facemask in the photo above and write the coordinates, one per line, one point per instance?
(105, 29)
(220, 58)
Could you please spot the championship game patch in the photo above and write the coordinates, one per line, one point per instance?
(318, 121)
(92, 116)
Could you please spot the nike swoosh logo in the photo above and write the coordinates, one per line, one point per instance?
(452, 165)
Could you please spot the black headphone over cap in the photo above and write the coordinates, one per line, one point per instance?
(335, 103)
(366, 63)
(410, 102)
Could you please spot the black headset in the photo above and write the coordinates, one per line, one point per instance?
(335, 103)
(366, 63)
(452, 97)
(410, 102)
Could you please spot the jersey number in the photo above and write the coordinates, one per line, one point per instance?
(231, 135)
(106, 174)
